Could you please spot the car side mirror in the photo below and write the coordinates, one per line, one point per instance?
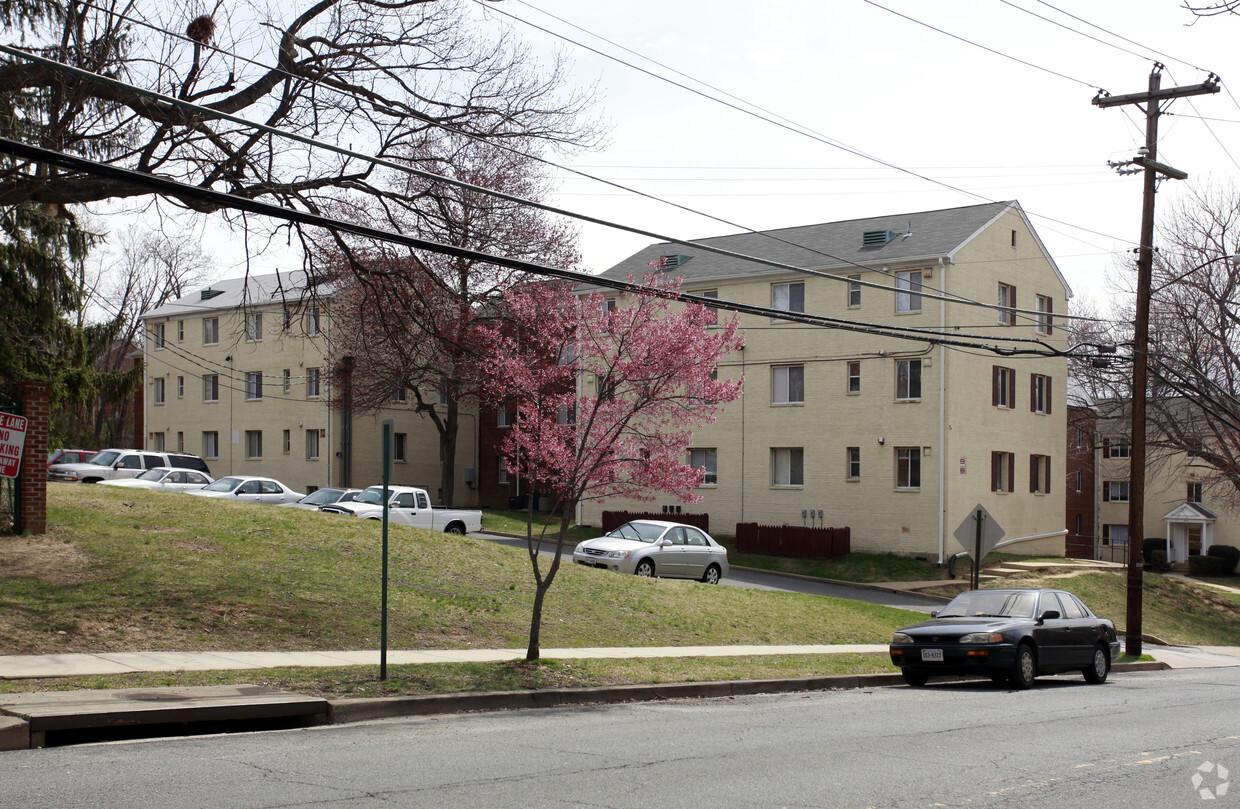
(934, 613)
(663, 543)
(1048, 615)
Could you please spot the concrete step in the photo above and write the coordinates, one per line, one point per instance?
(142, 712)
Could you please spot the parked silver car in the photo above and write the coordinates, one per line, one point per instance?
(164, 478)
(324, 497)
(657, 548)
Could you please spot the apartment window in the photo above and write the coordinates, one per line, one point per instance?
(253, 443)
(908, 467)
(908, 380)
(788, 466)
(1194, 493)
(254, 385)
(1080, 438)
(707, 461)
(1002, 386)
(312, 322)
(158, 336)
(287, 380)
(788, 384)
(1118, 448)
(1002, 471)
(254, 326)
(908, 291)
(566, 415)
(286, 442)
(157, 442)
(1040, 474)
(211, 444)
(854, 376)
(312, 382)
(1115, 491)
(1039, 393)
(1115, 534)
(1079, 525)
(159, 391)
(398, 447)
(180, 387)
(788, 297)
(712, 313)
(1043, 320)
(854, 291)
(210, 331)
(1007, 305)
(502, 475)
(312, 445)
(1080, 479)
(211, 388)
(180, 441)
(180, 331)
(399, 396)
(503, 418)
(288, 319)
(854, 463)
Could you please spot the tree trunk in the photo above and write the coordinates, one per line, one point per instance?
(533, 651)
(447, 450)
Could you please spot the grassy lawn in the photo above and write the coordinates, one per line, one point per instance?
(145, 571)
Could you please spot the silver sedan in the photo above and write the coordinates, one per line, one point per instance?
(252, 488)
(163, 478)
(657, 548)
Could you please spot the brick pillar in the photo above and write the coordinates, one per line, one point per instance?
(33, 494)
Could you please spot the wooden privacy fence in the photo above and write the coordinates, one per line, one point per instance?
(793, 540)
(614, 519)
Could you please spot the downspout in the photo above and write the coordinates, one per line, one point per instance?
(942, 410)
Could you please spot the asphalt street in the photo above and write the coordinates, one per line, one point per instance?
(1152, 739)
(762, 580)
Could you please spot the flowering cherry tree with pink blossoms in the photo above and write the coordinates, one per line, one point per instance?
(606, 397)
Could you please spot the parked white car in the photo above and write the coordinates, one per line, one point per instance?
(251, 488)
(409, 505)
(116, 464)
(164, 479)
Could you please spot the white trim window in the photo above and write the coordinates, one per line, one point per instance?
(1044, 320)
(210, 331)
(908, 291)
(788, 466)
(312, 383)
(254, 385)
(159, 390)
(254, 444)
(708, 461)
(1007, 304)
(854, 291)
(157, 336)
(788, 384)
(908, 380)
(312, 445)
(908, 467)
(788, 297)
(211, 388)
(254, 327)
(210, 444)
(854, 463)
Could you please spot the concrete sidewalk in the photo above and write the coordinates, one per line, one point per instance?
(22, 667)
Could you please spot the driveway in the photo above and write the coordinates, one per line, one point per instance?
(763, 580)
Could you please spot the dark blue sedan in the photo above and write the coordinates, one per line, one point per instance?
(1010, 636)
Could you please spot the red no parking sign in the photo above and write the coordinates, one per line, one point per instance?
(12, 439)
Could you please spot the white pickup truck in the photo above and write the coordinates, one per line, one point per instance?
(409, 505)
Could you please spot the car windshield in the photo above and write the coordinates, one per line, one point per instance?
(223, 485)
(321, 497)
(639, 531)
(153, 474)
(992, 603)
(373, 496)
(104, 458)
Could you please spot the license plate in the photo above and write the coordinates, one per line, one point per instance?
(932, 654)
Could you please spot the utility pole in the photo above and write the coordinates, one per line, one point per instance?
(1141, 326)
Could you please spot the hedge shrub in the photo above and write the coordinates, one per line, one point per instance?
(1208, 566)
(1228, 553)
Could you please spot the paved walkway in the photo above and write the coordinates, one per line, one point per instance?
(20, 667)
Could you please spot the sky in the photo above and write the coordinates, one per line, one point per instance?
(994, 105)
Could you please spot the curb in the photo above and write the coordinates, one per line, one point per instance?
(344, 711)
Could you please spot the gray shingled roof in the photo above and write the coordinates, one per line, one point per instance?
(255, 290)
(923, 235)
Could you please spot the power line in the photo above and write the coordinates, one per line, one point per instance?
(220, 199)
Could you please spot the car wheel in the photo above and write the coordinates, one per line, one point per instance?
(1025, 668)
(455, 528)
(914, 677)
(712, 575)
(645, 568)
(1096, 673)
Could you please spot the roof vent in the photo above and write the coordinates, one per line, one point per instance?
(669, 262)
(877, 238)
(209, 293)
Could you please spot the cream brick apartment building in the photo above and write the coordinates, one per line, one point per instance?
(899, 439)
(241, 373)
